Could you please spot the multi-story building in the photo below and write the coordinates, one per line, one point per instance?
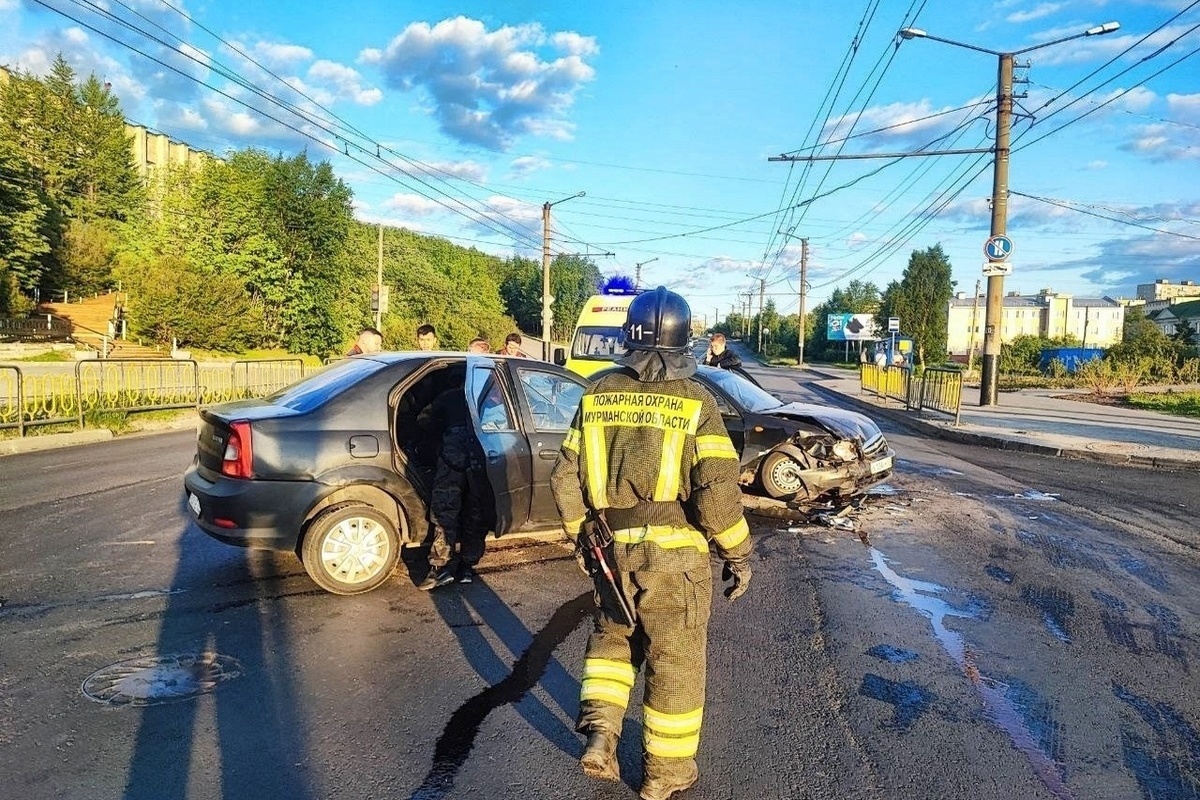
(1163, 289)
(1094, 321)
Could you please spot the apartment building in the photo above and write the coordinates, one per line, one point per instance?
(1094, 321)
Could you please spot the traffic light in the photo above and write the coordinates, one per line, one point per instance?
(375, 297)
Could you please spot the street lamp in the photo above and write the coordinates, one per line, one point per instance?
(637, 280)
(547, 298)
(1004, 100)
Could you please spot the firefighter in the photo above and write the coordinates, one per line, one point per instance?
(648, 458)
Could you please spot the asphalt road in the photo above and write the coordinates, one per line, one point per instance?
(999, 626)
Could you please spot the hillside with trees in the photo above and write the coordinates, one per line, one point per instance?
(251, 250)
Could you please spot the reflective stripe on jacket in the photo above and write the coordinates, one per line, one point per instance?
(658, 457)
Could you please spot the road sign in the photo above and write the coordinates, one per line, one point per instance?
(998, 247)
(893, 324)
(991, 268)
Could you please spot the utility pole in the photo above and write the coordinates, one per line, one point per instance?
(974, 325)
(547, 298)
(994, 310)
(803, 297)
(637, 280)
(762, 293)
(379, 284)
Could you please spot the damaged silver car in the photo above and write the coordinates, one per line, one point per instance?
(798, 451)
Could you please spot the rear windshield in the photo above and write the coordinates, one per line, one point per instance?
(310, 392)
(598, 343)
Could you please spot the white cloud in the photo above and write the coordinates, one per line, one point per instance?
(413, 204)
(1097, 165)
(281, 54)
(1037, 12)
(1136, 100)
(856, 240)
(466, 170)
(1184, 107)
(524, 166)
(908, 124)
(1163, 142)
(489, 87)
(345, 82)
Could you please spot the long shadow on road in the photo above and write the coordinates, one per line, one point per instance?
(257, 742)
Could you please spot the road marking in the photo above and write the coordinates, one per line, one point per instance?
(136, 541)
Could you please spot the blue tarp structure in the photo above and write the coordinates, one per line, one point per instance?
(1071, 357)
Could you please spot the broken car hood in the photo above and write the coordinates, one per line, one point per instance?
(848, 424)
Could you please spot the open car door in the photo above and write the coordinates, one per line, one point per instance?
(506, 451)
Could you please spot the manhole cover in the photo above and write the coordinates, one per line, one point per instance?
(154, 680)
(1116, 447)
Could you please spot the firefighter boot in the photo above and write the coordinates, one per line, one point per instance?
(599, 759)
(656, 788)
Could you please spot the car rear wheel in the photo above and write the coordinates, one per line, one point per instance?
(350, 549)
(781, 476)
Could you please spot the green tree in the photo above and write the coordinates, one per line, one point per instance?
(920, 299)
(24, 245)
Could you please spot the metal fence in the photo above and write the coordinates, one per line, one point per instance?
(29, 329)
(133, 385)
(936, 389)
(941, 391)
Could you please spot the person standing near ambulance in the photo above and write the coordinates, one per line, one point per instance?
(647, 466)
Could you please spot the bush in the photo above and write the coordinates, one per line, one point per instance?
(1098, 375)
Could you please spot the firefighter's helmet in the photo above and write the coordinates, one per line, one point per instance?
(658, 320)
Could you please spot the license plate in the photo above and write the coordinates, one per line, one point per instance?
(882, 465)
(194, 503)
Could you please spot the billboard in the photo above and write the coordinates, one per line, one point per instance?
(850, 328)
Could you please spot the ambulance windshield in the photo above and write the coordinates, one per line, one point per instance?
(598, 343)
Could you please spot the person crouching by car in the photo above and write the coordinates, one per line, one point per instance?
(720, 356)
(479, 345)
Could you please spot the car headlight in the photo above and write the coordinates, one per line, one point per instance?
(845, 451)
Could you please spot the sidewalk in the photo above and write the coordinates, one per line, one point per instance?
(1037, 421)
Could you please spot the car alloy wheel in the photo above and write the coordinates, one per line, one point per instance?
(781, 476)
(350, 549)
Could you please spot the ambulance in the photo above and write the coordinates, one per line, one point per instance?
(598, 341)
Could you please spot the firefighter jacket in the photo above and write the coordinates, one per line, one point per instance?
(655, 456)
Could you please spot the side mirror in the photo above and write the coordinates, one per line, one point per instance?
(560, 356)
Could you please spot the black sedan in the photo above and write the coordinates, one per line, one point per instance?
(338, 467)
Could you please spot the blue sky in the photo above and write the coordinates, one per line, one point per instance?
(461, 119)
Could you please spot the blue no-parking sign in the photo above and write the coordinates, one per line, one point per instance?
(998, 247)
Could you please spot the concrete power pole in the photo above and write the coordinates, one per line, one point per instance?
(803, 297)
(974, 325)
(547, 298)
(994, 311)
(762, 293)
(379, 284)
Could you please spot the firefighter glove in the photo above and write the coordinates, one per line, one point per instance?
(739, 572)
(583, 554)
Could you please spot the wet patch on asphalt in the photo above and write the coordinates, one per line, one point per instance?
(998, 573)
(892, 654)
(1055, 606)
(458, 737)
(1148, 574)
(909, 700)
(1016, 711)
(1165, 628)
(1169, 766)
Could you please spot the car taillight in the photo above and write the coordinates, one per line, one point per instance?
(239, 452)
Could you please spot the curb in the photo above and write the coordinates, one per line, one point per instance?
(53, 441)
(1000, 443)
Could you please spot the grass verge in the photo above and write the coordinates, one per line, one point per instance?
(1184, 404)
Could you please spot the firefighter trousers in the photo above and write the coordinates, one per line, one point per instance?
(669, 642)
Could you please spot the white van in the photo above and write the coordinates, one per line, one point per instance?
(599, 341)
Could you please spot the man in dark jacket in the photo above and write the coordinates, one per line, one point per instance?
(720, 356)
(648, 457)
